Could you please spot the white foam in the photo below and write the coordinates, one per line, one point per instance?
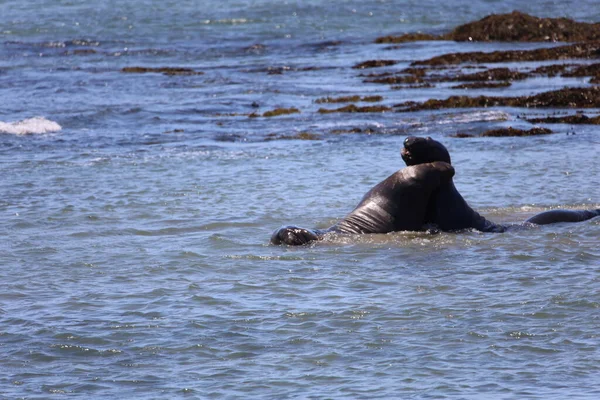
(33, 125)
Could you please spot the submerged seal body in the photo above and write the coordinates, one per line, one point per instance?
(449, 210)
(398, 203)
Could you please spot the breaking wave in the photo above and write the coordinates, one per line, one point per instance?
(27, 126)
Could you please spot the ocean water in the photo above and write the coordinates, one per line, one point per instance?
(136, 211)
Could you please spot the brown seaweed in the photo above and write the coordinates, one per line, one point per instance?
(349, 99)
(161, 70)
(570, 51)
(506, 132)
(375, 64)
(352, 108)
(512, 27)
(577, 119)
(564, 98)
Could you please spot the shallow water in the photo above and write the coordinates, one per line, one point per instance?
(136, 258)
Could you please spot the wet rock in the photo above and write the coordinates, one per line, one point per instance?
(584, 70)
(563, 98)
(551, 70)
(571, 51)
(483, 85)
(521, 27)
(375, 64)
(408, 37)
(494, 74)
(512, 27)
(505, 132)
(352, 108)
(397, 79)
(277, 112)
(577, 119)
(298, 136)
(368, 131)
(349, 99)
(161, 70)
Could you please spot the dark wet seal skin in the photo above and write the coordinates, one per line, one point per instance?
(417, 197)
(398, 203)
(450, 212)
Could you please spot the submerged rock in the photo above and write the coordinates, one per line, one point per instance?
(161, 70)
(349, 99)
(278, 111)
(483, 85)
(375, 64)
(352, 108)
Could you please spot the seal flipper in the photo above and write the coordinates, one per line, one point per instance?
(553, 216)
(294, 236)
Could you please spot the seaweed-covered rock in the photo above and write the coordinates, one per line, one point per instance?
(161, 70)
(280, 111)
(577, 119)
(483, 85)
(588, 97)
(505, 132)
(349, 99)
(521, 27)
(375, 64)
(352, 108)
(408, 37)
(571, 51)
(512, 27)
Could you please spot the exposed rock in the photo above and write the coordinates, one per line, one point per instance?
(521, 27)
(571, 51)
(563, 98)
(494, 74)
(408, 37)
(375, 64)
(352, 108)
(577, 119)
(279, 111)
(512, 27)
(483, 85)
(298, 136)
(349, 99)
(505, 132)
(162, 70)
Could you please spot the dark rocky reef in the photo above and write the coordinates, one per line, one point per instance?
(352, 108)
(577, 119)
(505, 132)
(349, 99)
(170, 71)
(564, 98)
(588, 50)
(512, 27)
(375, 64)
(276, 112)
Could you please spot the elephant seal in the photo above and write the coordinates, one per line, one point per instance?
(398, 203)
(450, 212)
